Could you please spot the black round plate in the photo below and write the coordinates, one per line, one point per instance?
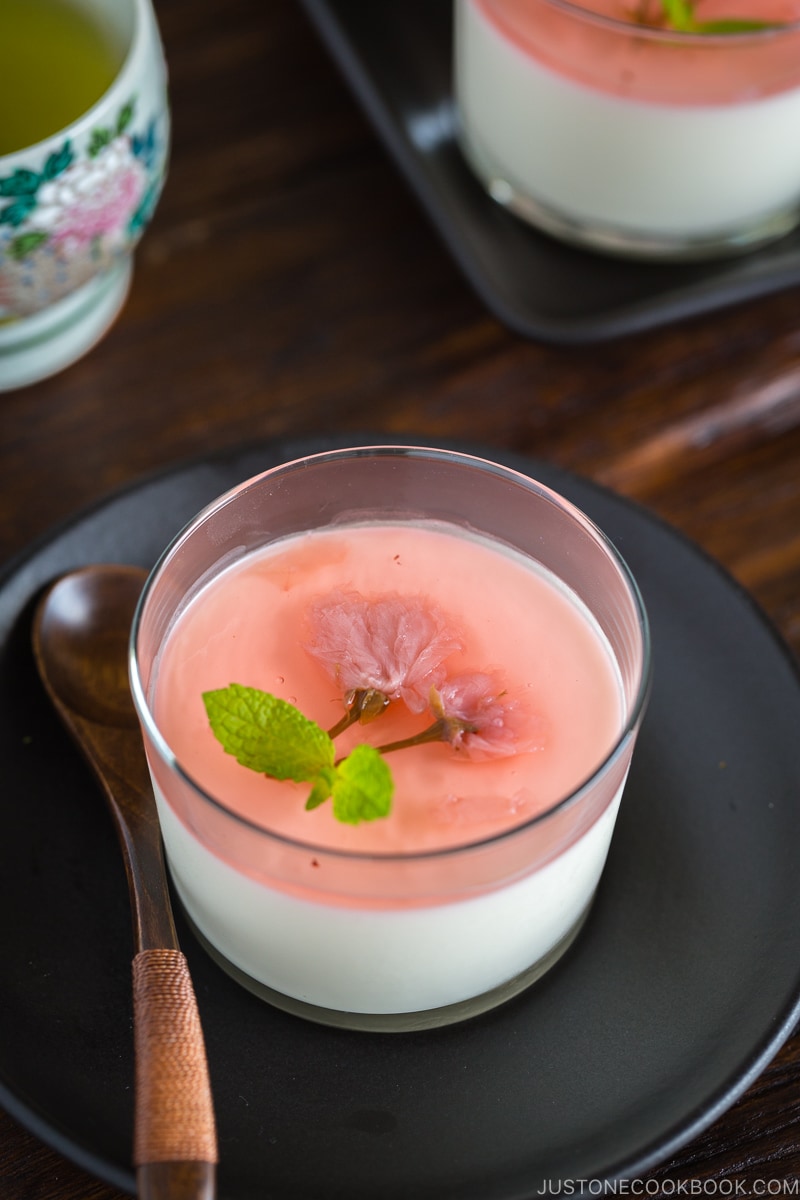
(681, 987)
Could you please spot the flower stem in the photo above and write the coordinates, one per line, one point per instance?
(444, 729)
(349, 718)
(437, 732)
(363, 705)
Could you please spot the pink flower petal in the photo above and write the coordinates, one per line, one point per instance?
(393, 644)
(480, 718)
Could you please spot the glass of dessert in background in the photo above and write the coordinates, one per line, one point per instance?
(389, 698)
(650, 128)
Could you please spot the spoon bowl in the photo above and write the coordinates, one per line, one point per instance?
(80, 640)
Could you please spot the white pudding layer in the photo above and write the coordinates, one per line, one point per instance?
(384, 960)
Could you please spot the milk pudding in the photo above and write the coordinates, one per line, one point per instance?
(629, 137)
(481, 872)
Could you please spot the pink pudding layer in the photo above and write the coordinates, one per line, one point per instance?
(648, 61)
(251, 625)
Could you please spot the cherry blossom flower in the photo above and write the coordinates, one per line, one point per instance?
(478, 717)
(386, 648)
(475, 715)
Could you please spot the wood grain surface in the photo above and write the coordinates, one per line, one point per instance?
(290, 284)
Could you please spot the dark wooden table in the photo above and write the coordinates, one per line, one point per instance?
(290, 284)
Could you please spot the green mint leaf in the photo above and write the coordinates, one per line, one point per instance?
(733, 26)
(679, 14)
(680, 17)
(363, 788)
(267, 734)
(271, 736)
(322, 789)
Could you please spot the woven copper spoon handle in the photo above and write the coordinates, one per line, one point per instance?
(80, 640)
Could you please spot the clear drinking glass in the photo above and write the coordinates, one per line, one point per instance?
(601, 126)
(391, 939)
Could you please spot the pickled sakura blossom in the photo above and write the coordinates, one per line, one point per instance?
(479, 718)
(393, 645)
(395, 648)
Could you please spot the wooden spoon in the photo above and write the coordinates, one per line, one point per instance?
(80, 641)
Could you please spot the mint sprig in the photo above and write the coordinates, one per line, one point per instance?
(271, 736)
(268, 734)
(680, 16)
(362, 790)
(361, 786)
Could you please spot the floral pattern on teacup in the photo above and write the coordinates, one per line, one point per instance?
(76, 214)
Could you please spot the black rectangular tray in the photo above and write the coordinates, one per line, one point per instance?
(396, 56)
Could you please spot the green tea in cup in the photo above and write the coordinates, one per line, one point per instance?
(56, 61)
(84, 142)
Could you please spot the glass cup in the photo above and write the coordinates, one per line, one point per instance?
(74, 205)
(628, 137)
(389, 934)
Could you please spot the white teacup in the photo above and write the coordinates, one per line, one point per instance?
(73, 206)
